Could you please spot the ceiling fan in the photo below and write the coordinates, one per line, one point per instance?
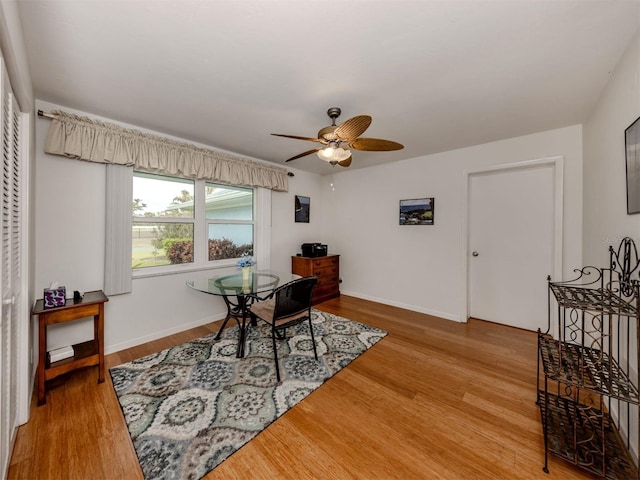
(334, 136)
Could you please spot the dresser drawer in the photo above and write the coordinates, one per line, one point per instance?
(332, 279)
(324, 290)
(326, 271)
(325, 262)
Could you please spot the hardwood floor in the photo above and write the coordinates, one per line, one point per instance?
(435, 399)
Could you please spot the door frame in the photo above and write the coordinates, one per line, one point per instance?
(557, 164)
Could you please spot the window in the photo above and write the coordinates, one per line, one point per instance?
(174, 219)
(229, 214)
(163, 225)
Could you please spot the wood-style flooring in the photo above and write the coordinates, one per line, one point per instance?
(435, 399)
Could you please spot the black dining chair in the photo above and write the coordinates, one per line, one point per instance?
(289, 305)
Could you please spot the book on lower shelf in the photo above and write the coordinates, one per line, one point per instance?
(61, 354)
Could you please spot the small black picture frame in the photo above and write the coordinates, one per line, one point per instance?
(632, 159)
(302, 208)
(417, 211)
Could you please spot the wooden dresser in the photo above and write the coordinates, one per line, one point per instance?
(327, 269)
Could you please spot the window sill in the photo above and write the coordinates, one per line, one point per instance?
(178, 269)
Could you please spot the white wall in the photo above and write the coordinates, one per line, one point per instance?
(15, 55)
(286, 234)
(605, 208)
(420, 268)
(69, 222)
(417, 268)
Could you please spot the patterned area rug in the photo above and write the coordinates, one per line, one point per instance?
(190, 407)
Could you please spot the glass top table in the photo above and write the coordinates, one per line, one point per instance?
(238, 291)
(260, 281)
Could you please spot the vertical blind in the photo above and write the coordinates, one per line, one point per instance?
(117, 256)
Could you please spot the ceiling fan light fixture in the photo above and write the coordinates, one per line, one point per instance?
(333, 154)
(347, 133)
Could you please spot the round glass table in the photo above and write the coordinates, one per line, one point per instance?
(238, 291)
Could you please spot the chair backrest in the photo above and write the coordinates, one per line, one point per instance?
(294, 297)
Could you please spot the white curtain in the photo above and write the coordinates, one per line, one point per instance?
(117, 257)
(95, 141)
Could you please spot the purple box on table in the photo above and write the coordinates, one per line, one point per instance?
(55, 297)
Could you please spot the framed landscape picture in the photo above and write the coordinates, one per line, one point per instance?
(632, 154)
(302, 206)
(416, 211)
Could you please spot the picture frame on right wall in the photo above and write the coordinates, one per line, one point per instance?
(417, 211)
(632, 157)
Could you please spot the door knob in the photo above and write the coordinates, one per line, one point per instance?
(475, 254)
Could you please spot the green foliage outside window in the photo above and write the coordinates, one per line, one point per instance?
(181, 250)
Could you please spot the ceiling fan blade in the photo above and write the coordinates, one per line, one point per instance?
(304, 154)
(375, 145)
(353, 128)
(308, 139)
(346, 162)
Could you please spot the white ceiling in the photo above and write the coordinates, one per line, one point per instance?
(434, 75)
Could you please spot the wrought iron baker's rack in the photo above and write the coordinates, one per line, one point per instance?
(588, 368)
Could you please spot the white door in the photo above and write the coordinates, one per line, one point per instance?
(10, 266)
(511, 215)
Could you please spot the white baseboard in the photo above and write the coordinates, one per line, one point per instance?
(161, 334)
(413, 308)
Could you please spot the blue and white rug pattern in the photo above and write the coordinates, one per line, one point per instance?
(190, 407)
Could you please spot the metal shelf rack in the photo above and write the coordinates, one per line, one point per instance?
(588, 368)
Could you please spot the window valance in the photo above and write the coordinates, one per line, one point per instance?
(83, 138)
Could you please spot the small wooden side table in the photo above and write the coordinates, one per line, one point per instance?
(86, 354)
